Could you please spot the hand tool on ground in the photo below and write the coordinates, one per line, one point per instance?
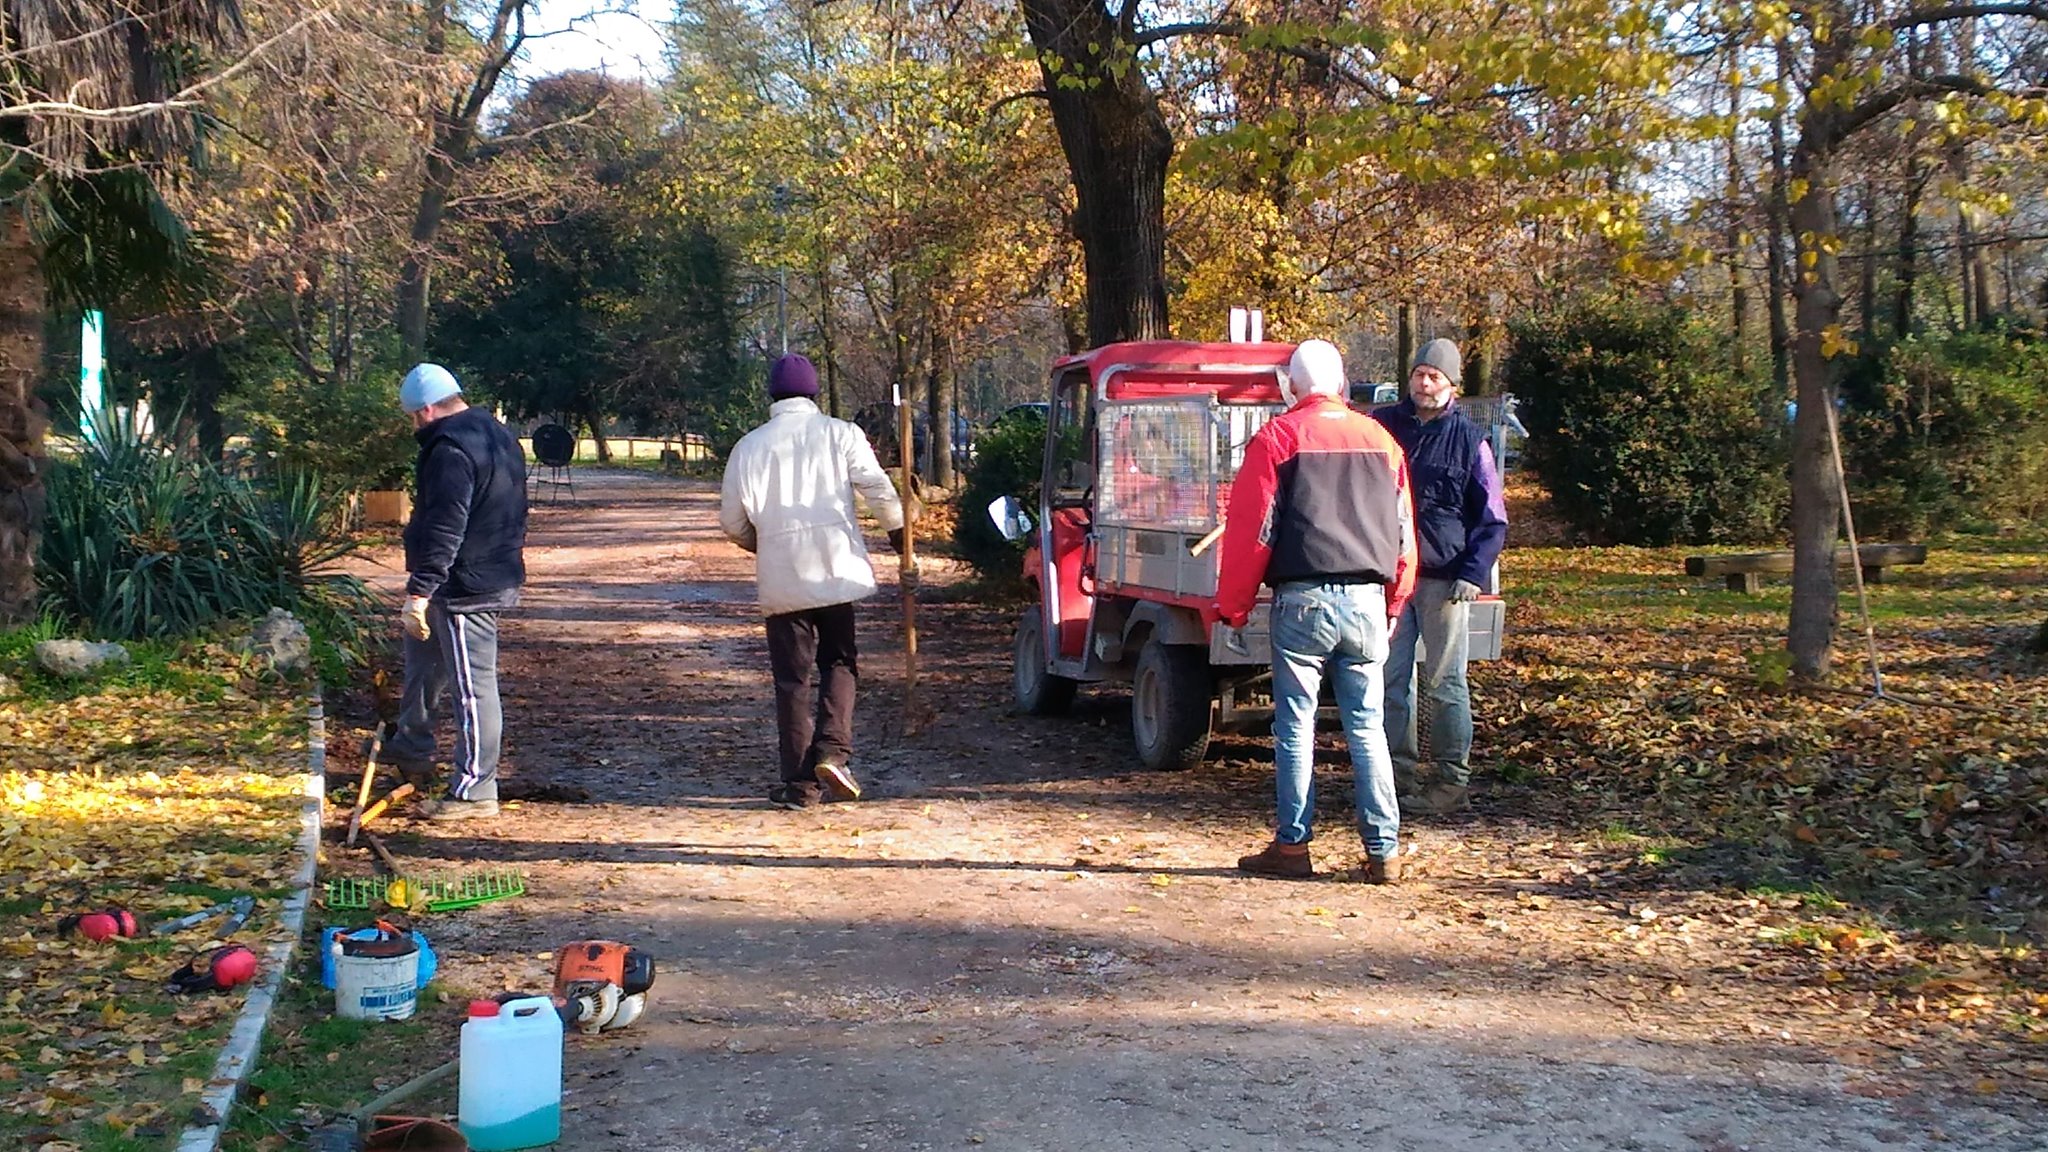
(390, 798)
(238, 910)
(383, 854)
(350, 893)
(353, 1134)
(602, 984)
(370, 751)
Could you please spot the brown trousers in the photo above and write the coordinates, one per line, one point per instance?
(811, 729)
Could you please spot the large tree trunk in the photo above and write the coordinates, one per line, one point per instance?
(415, 273)
(1816, 508)
(21, 419)
(449, 147)
(1117, 146)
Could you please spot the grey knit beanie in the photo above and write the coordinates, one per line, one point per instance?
(1441, 355)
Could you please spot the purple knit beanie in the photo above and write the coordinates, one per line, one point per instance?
(790, 376)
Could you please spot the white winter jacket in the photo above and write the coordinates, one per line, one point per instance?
(789, 488)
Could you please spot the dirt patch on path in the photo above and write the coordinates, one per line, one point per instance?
(1021, 942)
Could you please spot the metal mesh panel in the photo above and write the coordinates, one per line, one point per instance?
(1164, 462)
(1157, 460)
(1236, 424)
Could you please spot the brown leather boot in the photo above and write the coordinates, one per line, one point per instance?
(1285, 861)
(1382, 870)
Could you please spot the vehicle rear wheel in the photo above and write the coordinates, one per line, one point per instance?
(1171, 694)
(1037, 689)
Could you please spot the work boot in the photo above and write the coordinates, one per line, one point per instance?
(1382, 870)
(795, 796)
(838, 783)
(1284, 861)
(1438, 800)
(448, 809)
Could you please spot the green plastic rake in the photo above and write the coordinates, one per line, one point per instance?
(352, 892)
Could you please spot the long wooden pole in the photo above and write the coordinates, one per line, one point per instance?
(907, 566)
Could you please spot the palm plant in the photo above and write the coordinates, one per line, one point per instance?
(84, 123)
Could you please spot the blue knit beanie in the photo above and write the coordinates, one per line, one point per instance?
(426, 384)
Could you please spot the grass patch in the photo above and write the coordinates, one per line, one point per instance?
(319, 1069)
(163, 787)
(1927, 817)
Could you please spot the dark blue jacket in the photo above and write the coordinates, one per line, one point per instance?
(466, 541)
(1461, 519)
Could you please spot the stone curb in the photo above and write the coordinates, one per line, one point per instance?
(238, 1059)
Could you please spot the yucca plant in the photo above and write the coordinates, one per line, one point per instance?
(146, 539)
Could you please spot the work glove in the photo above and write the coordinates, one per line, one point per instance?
(413, 618)
(909, 578)
(1464, 591)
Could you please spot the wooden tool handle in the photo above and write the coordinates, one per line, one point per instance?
(1202, 545)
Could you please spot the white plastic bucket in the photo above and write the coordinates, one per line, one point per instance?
(375, 987)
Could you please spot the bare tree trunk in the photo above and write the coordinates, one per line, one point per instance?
(1775, 209)
(1478, 355)
(1909, 249)
(1738, 284)
(835, 406)
(1117, 145)
(594, 420)
(22, 423)
(1868, 310)
(452, 142)
(1404, 341)
(1816, 511)
(941, 403)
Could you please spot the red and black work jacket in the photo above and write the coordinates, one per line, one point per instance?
(1322, 496)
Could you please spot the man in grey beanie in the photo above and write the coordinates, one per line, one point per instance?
(1461, 524)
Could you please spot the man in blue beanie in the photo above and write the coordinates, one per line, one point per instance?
(465, 560)
(788, 499)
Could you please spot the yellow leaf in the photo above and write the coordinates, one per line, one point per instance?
(138, 1057)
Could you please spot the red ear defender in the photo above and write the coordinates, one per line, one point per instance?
(215, 971)
(105, 924)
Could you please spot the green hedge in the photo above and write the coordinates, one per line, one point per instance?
(1007, 462)
(1642, 431)
(1947, 432)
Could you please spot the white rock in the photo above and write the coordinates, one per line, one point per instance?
(281, 640)
(76, 659)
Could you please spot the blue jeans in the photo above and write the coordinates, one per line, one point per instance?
(1441, 628)
(1340, 629)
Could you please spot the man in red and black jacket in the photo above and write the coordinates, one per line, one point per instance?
(1320, 511)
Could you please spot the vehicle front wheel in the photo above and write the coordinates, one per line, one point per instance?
(1171, 694)
(1037, 689)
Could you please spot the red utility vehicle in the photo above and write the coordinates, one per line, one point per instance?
(1142, 441)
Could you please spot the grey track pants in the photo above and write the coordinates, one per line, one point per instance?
(458, 659)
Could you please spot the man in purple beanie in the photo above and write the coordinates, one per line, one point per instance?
(788, 499)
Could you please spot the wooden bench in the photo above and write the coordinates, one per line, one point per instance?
(1744, 571)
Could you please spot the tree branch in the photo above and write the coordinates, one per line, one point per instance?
(1949, 12)
(1857, 117)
